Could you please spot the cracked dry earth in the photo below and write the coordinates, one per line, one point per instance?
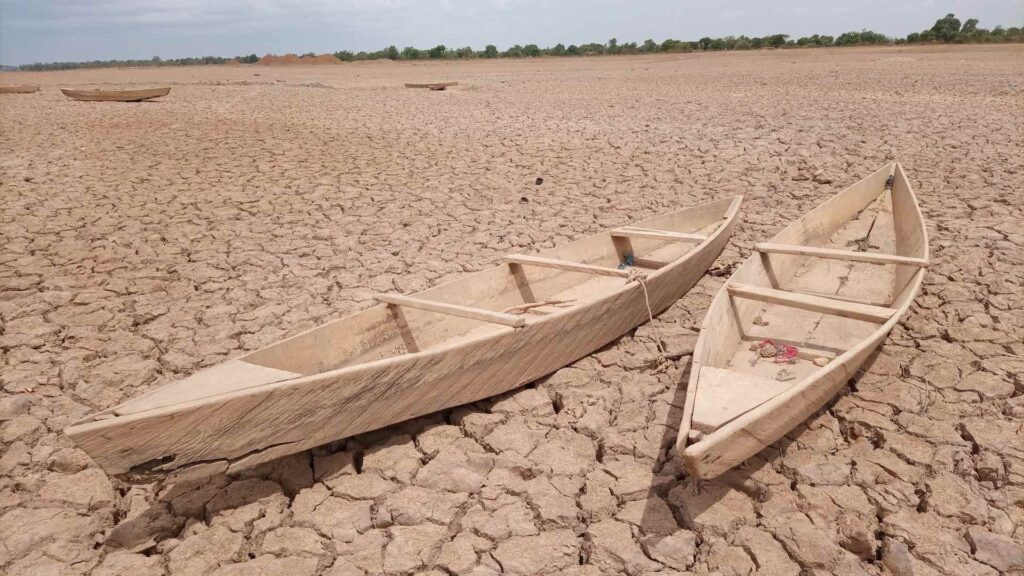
(141, 242)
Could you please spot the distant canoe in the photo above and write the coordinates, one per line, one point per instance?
(115, 95)
(433, 86)
(26, 89)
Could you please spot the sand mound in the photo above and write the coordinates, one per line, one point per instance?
(324, 59)
(271, 60)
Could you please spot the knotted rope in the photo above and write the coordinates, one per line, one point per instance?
(640, 277)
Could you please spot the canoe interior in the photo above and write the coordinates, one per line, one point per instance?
(384, 332)
(731, 378)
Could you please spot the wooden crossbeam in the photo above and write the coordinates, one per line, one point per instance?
(813, 303)
(565, 265)
(634, 232)
(832, 254)
(453, 310)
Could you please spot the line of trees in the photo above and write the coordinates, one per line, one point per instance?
(948, 29)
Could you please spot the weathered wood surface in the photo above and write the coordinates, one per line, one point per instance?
(454, 309)
(23, 89)
(354, 380)
(432, 85)
(633, 232)
(842, 308)
(115, 95)
(850, 255)
(885, 223)
(524, 260)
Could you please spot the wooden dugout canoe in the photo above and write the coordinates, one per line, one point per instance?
(24, 89)
(449, 345)
(115, 95)
(810, 287)
(433, 86)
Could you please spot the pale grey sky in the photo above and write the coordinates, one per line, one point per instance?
(50, 30)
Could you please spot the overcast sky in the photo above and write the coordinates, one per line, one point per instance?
(51, 30)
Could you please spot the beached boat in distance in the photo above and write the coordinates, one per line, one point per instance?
(460, 342)
(23, 89)
(799, 317)
(115, 95)
(433, 86)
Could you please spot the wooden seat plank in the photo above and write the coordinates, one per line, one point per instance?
(723, 395)
(831, 306)
(833, 254)
(651, 234)
(453, 310)
(565, 265)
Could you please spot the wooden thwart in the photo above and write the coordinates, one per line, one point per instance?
(814, 303)
(634, 232)
(832, 254)
(453, 310)
(565, 265)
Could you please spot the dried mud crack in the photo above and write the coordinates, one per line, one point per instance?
(140, 243)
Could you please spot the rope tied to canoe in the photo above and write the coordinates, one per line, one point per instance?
(640, 277)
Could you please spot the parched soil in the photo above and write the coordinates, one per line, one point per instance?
(141, 242)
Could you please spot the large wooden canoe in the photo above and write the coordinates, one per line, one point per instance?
(831, 285)
(412, 355)
(115, 95)
(23, 89)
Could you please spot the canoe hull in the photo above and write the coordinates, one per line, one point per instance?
(739, 439)
(18, 89)
(432, 86)
(115, 95)
(288, 417)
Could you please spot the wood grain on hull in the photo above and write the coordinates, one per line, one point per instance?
(26, 89)
(115, 95)
(728, 322)
(245, 427)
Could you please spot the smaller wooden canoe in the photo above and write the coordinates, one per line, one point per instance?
(115, 95)
(24, 89)
(433, 86)
(799, 317)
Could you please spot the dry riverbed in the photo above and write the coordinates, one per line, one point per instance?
(141, 242)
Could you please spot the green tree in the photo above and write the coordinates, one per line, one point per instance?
(392, 53)
(558, 50)
(514, 52)
(649, 46)
(531, 50)
(970, 27)
(613, 46)
(573, 50)
(437, 51)
(410, 53)
(947, 28)
(345, 55)
(490, 51)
